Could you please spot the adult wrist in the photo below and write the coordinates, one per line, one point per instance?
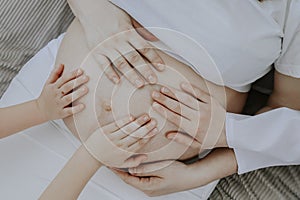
(222, 140)
(216, 165)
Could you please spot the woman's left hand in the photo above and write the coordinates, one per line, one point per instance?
(161, 178)
(194, 112)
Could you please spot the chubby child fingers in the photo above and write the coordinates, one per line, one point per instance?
(68, 76)
(130, 128)
(142, 142)
(116, 125)
(73, 84)
(72, 110)
(75, 95)
(55, 74)
(144, 131)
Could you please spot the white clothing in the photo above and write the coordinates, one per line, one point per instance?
(265, 140)
(244, 38)
(32, 158)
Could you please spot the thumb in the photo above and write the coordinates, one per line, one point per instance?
(151, 169)
(55, 74)
(183, 139)
(134, 161)
(143, 32)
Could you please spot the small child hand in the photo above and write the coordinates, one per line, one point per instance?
(60, 91)
(116, 144)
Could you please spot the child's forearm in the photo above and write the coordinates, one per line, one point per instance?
(19, 117)
(71, 180)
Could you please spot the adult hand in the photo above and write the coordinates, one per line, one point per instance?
(119, 47)
(116, 144)
(161, 178)
(195, 112)
(167, 177)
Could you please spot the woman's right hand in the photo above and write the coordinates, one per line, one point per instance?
(116, 144)
(165, 177)
(119, 46)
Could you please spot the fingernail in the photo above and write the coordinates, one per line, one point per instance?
(79, 71)
(155, 131)
(139, 83)
(153, 122)
(115, 79)
(160, 66)
(83, 88)
(132, 171)
(152, 79)
(146, 118)
(81, 106)
(184, 85)
(155, 105)
(85, 77)
(131, 118)
(155, 94)
(165, 90)
(170, 136)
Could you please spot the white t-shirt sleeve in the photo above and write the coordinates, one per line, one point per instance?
(289, 61)
(265, 140)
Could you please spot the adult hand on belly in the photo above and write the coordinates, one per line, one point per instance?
(120, 48)
(194, 111)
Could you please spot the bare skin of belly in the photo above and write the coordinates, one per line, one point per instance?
(106, 101)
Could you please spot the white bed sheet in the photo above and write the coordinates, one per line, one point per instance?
(32, 158)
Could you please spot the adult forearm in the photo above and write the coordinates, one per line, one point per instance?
(71, 180)
(216, 165)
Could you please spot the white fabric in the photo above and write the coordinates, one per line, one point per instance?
(268, 139)
(32, 158)
(243, 37)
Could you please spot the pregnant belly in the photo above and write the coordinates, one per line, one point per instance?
(106, 102)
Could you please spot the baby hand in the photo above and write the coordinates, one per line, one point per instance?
(60, 91)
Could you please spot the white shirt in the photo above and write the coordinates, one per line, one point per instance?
(243, 38)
